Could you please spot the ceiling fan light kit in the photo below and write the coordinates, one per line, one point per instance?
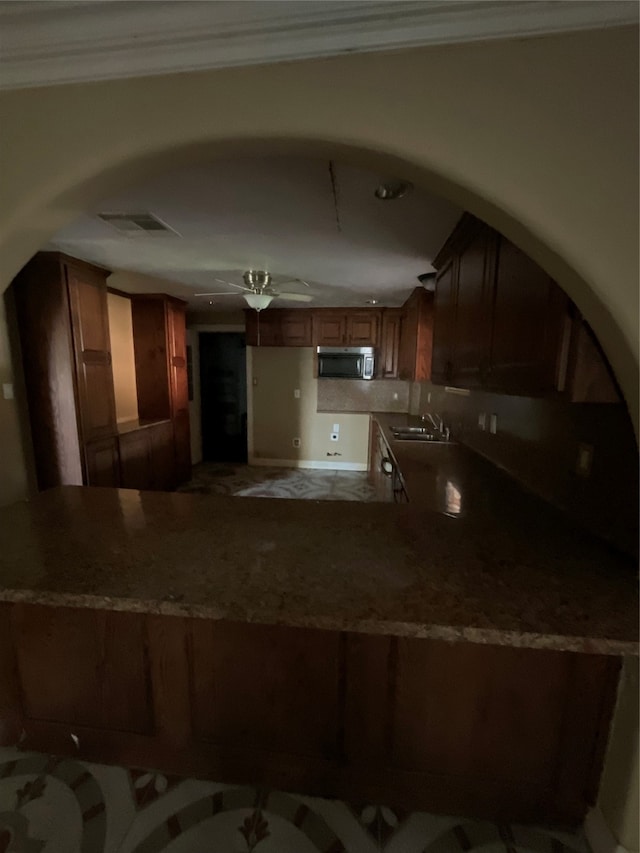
(259, 291)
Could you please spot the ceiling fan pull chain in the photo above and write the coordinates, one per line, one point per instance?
(258, 313)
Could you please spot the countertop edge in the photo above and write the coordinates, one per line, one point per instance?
(447, 633)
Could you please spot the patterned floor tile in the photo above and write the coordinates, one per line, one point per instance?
(292, 483)
(59, 805)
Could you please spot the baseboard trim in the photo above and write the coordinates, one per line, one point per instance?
(309, 463)
(598, 834)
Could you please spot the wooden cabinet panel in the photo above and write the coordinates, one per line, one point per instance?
(163, 457)
(262, 328)
(102, 462)
(295, 328)
(43, 320)
(527, 325)
(92, 347)
(388, 364)
(475, 267)
(329, 329)
(136, 469)
(82, 667)
(182, 439)
(150, 348)
(416, 336)
(363, 328)
(444, 323)
(264, 687)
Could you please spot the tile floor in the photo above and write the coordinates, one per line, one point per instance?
(50, 805)
(255, 481)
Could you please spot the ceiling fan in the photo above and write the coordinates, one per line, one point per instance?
(259, 290)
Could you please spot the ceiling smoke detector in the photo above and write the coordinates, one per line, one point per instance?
(392, 190)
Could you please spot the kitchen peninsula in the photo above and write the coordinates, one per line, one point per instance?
(371, 651)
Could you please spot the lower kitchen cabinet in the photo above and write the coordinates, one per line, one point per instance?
(148, 458)
(102, 462)
(508, 734)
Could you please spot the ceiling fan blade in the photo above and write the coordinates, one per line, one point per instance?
(295, 297)
(231, 284)
(295, 281)
(220, 293)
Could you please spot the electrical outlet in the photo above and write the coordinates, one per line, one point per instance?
(296, 393)
(395, 395)
(584, 460)
(334, 436)
(482, 421)
(428, 396)
(7, 390)
(296, 442)
(493, 424)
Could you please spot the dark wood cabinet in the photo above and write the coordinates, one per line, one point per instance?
(508, 734)
(349, 327)
(416, 336)
(164, 475)
(279, 328)
(61, 307)
(102, 462)
(136, 466)
(159, 341)
(388, 361)
(499, 318)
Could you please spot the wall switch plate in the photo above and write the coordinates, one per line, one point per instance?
(482, 421)
(395, 395)
(7, 390)
(584, 460)
(334, 436)
(493, 424)
(296, 442)
(428, 396)
(296, 393)
(336, 428)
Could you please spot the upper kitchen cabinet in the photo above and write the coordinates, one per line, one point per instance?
(62, 318)
(388, 362)
(334, 328)
(416, 336)
(499, 318)
(279, 328)
(159, 341)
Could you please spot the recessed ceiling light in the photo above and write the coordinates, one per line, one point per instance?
(372, 301)
(392, 190)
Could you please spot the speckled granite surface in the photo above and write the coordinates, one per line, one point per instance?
(507, 573)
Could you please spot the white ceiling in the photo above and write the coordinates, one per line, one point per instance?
(45, 43)
(272, 213)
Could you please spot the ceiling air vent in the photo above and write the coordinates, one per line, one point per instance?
(136, 223)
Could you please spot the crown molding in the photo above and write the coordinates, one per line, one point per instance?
(73, 41)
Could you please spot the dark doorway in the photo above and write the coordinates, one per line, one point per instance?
(223, 390)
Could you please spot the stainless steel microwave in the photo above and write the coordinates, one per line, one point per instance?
(346, 362)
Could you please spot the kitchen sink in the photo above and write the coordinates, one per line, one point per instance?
(427, 437)
(410, 431)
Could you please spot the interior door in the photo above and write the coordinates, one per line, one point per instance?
(223, 389)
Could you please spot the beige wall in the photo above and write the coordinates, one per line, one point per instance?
(122, 357)
(536, 136)
(276, 417)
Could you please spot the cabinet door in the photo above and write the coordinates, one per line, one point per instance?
(470, 358)
(102, 464)
(263, 328)
(329, 329)
(295, 328)
(528, 318)
(150, 348)
(135, 460)
(179, 390)
(444, 323)
(424, 336)
(363, 328)
(163, 457)
(388, 365)
(92, 352)
(408, 341)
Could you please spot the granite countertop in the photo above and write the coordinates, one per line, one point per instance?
(519, 578)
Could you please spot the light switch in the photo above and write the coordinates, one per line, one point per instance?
(7, 390)
(493, 424)
(296, 393)
(336, 428)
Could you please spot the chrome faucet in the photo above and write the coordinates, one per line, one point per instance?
(437, 423)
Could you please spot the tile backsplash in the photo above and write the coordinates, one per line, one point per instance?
(539, 441)
(361, 395)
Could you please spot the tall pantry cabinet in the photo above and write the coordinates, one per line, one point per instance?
(63, 323)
